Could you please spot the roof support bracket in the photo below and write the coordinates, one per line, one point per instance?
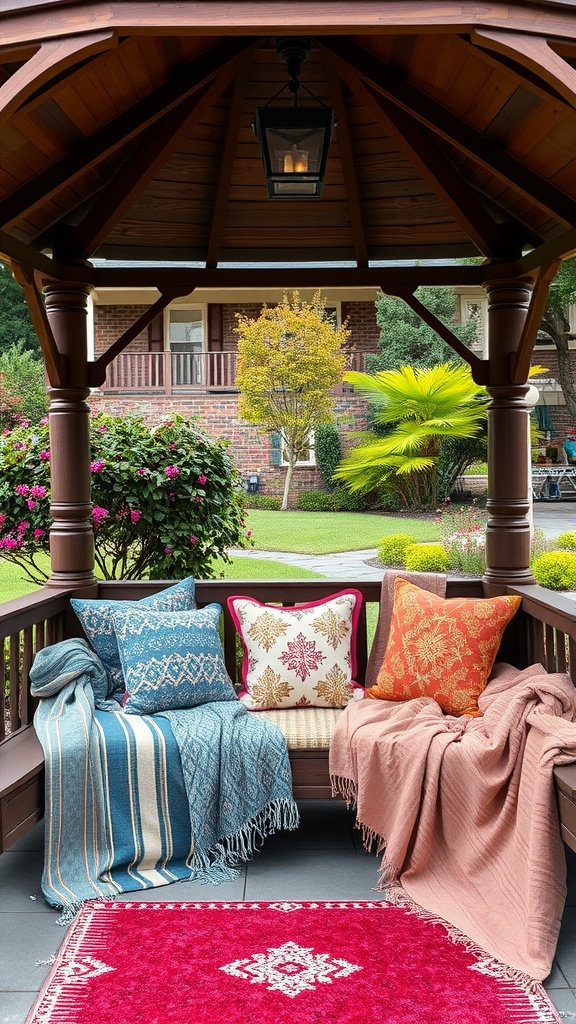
(479, 367)
(97, 369)
(521, 358)
(56, 367)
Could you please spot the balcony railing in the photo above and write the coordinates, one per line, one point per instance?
(170, 373)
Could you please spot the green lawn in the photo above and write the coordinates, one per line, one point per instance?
(321, 533)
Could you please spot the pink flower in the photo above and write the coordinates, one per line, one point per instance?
(20, 446)
(43, 421)
(171, 496)
(45, 455)
(172, 471)
(197, 499)
(103, 429)
(24, 423)
(2, 519)
(202, 479)
(249, 534)
(98, 466)
(8, 543)
(6, 430)
(31, 504)
(37, 491)
(141, 472)
(193, 539)
(168, 550)
(22, 489)
(22, 527)
(99, 513)
(173, 445)
(135, 516)
(39, 533)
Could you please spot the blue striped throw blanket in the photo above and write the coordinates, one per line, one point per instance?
(136, 801)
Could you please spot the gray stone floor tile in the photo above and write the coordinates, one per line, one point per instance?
(20, 880)
(555, 979)
(564, 1000)
(303, 875)
(32, 841)
(180, 892)
(323, 825)
(32, 937)
(14, 1006)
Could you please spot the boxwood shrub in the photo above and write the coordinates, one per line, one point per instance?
(556, 570)
(426, 558)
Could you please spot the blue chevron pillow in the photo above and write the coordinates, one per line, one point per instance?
(96, 621)
(171, 659)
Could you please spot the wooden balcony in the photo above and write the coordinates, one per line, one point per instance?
(173, 373)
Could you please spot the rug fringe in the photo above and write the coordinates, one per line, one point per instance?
(486, 964)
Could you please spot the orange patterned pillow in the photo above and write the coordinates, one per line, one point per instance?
(442, 648)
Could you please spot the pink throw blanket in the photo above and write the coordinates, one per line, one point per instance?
(465, 808)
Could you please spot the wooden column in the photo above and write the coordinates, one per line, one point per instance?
(71, 534)
(508, 530)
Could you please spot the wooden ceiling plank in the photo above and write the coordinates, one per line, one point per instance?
(121, 129)
(534, 53)
(348, 163)
(142, 166)
(222, 193)
(538, 299)
(51, 58)
(478, 366)
(55, 362)
(453, 128)
(432, 165)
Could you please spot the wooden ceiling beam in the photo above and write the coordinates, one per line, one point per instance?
(51, 58)
(56, 364)
(346, 153)
(220, 203)
(521, 358)
(534, 53)
(123, 128)
(432, 165)
(140, 168)
(560, 247)
(453, 129)
(97, 370)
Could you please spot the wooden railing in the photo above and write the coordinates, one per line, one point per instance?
(170, 373)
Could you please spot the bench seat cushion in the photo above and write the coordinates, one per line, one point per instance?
(306, 728)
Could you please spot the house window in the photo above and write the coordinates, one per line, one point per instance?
(186, 340)
(472, 308)
(307, 457)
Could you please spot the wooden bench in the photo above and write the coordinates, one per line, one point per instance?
(543, 631)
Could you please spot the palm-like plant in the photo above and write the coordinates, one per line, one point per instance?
(422, 407)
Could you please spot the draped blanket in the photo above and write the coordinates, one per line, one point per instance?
(464, 808)
(138, 801)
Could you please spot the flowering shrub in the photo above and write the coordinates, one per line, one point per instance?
(167, 500)
(463, 534)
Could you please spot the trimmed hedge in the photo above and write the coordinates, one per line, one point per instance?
(556, 570)
(262, 501)
(392, 549)
(426, 558)
(339, 500)
(567, 540)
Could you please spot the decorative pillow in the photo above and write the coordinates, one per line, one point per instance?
(442, 647)
(171, 659)
(298, 657)
(96, 620)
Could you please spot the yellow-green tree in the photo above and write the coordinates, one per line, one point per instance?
(289, 359)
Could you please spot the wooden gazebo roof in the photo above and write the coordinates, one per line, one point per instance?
(125, 133)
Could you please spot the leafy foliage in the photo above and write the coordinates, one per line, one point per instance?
(22, 387)
(567, 540)
(425, 408)
(391, 549)
(289, 359)
(406, 339)
(265, 501)
(167, 500)
(556, 570)
(426, 558)
(15, 323)
(315, 501)
(328, 452)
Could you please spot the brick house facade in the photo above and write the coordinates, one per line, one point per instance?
(153, 379)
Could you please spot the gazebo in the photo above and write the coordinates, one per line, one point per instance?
(128, 158)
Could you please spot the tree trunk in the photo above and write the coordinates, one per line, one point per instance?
(556, 325)
(287, 483)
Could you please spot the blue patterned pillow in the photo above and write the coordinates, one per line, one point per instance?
(96, 621)
(171, 659)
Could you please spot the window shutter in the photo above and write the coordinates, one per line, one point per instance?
(276, 449)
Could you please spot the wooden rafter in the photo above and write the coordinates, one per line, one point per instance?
(51, 58)
(453, 129)
(535, 53)
(97, 369)
(560, 247)
(346, 153)
(434, 167)
(538, 299)
(478, 366)
(226, 168)
(122, 128)
(55, 361)
(142, 166)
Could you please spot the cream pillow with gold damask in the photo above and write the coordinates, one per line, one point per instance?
(303, 656)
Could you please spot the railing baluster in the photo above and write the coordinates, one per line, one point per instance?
(26, 707)
(572, 659)
(561, 659)
(14, 682)
(549, 641)
(3, 686)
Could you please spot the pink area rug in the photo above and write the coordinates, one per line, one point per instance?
(278, 963)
